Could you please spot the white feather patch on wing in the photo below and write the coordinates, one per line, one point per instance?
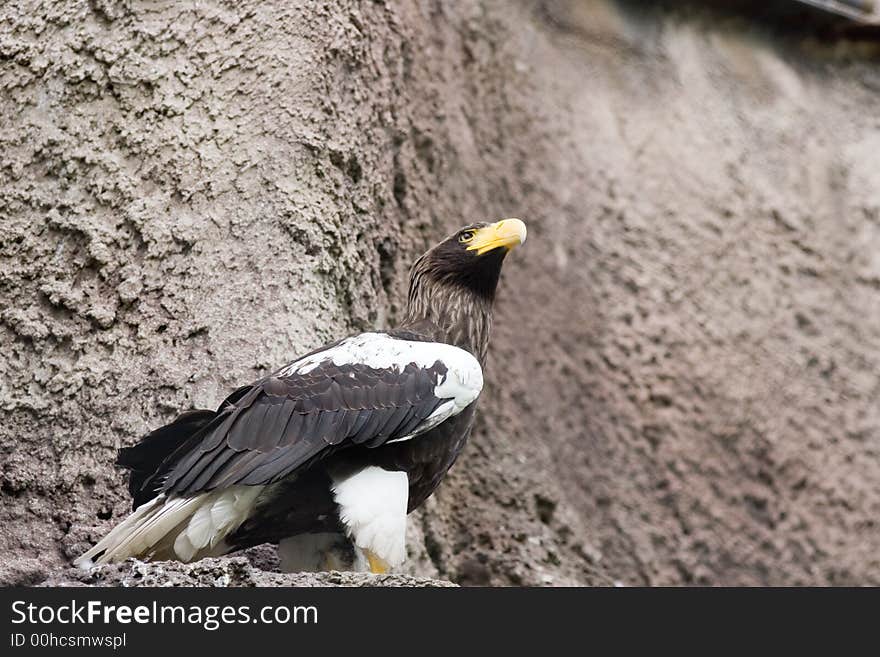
(138, 534)
(461, 384)
(372, 506)
(221, 513)
(183, 548)
(118, 533)
(193, 522)
(200, 529)
(232, 508)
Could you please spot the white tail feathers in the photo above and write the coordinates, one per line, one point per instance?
(215, 518)
(182, 528)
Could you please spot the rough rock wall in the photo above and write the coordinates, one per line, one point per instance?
(682, 381)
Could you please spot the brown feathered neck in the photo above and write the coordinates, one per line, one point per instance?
(454, 304)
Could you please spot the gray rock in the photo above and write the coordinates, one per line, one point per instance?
(227, 571)
(682, 383)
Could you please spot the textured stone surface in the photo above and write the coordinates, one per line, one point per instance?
(682, 385)
(229, 571)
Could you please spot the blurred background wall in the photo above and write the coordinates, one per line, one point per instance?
(682, 385)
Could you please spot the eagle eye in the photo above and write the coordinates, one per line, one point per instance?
(466, 236)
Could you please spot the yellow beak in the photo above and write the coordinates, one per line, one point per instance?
(506, 233)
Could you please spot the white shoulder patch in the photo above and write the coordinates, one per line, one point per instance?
(461, 384)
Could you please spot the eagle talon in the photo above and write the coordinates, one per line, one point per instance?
(378, 566)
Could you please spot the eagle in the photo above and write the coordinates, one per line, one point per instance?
(327, 455)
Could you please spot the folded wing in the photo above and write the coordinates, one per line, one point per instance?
(369, 390)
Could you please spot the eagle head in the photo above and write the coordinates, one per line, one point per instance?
(470, 259)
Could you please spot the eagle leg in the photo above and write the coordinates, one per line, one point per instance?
(378, 565)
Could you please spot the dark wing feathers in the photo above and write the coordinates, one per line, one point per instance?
(274, 432)
(264, 432)
(143, 459)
